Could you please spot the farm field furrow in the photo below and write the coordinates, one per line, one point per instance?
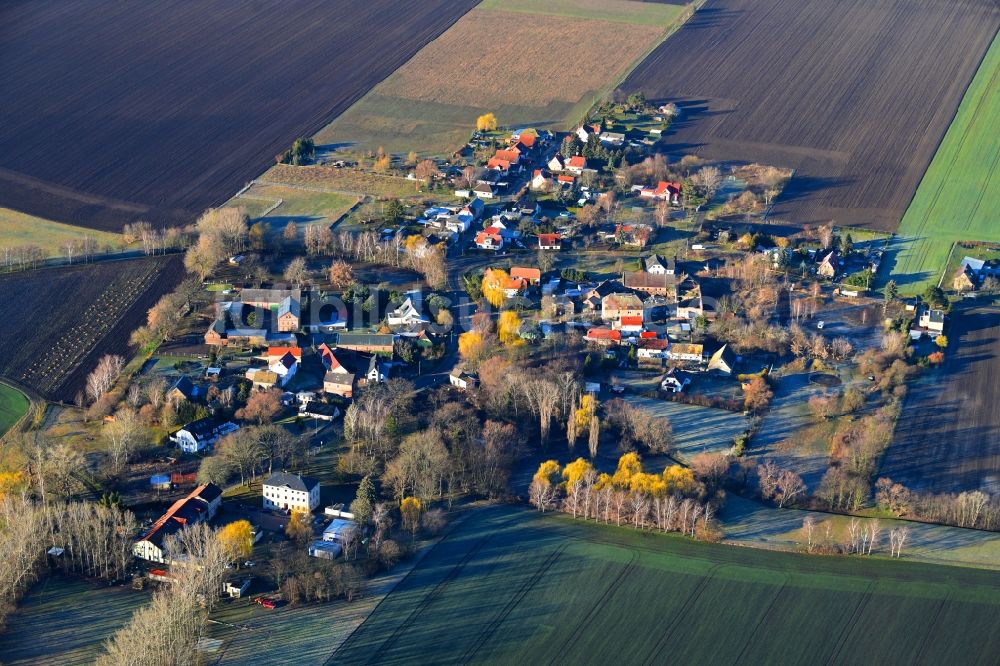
(74, 316)
(171, 106)
(568, 587)
(948, 437)
(430, 104)
(854, 95)
(959, 195)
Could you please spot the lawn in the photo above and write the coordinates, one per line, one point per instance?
(19, 230)
(13, 405)
(571, 592)
(430, 104)
(65, 621)
(960, 193)
(277, 205)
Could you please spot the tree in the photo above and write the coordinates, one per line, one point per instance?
(508, 327)
(790, 486)
(291, 233)
(473, 286)
(364, 501)
(122, 433)
(935, 296)
(494, 285)
(808, 526)
(486, 122)
(215, 469)
(410, 509)
(941, 341)
(593, 435)
(426, 171)
(341, 274)
(261, 406)
(258, 235)
(891, 291)
(299, 527)
(296, 272)
(471, 346)
(757, 394)
(237, 540)
(243, 451)
(104, 376)
(576, 471)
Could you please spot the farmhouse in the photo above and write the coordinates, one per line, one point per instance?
(182, 389)
(489, 239)
(366, 342)
(829, 265)
(462, 379)
(200, 505)
(964, 280)
(618, 305)
(664, 191)
(680, 351)
(649, 283)
(340, 383)
(657, 265)
(651, 349)
(201, 434)
(269, 298)
(289, 315)
(291, 492)
(549, 242)
(576, 164)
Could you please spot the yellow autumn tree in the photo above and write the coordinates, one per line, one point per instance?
(604, 480)
(547, 472)
(12, 483)
(650, 484)
(471, 345)
(508, 327)
(237, 539)
(629, 465)
(487, 122)
(679, 480)
(576, 470)
(410, 509)
(494, 282)
(299, 527)
(588, 405)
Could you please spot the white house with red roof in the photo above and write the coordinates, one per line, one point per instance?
(576, 164)
(604, 336)
(664, 191)
(285, 368)
(489, 239)
(540, 179)
(565, 180)
(628, 324)
(549, 242)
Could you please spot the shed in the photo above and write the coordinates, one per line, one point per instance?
(325, 550)
(160, 481)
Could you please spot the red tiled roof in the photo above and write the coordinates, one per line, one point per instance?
(648, 335)
(654, 344)
(498, 163)
(527, 139)
(604, 334)
(631, 321)
(527, 273)
(549, 239)
(563, 178)
(577, 161)
(509, 154)
(278, 352)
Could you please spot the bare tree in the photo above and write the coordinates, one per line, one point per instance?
(809, 526)
(104, 376)
(122, 433)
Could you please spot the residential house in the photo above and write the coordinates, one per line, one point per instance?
(375, 371)
(236, 586)
(664, 191)
(722, 361)
(462, 379)
(182, 389)
(200, 505)
(565, 180)
(483, 191)
(284, 368)
(532, 275)
(201, 434)
(932, 320)
(339, 383)
(652, 349)
(650, 283)
(541, 179)
(657, 265)
(965, 279)
(406, 315)
(829, 265)
(489, 239)
(366, 342)
(289, 315)
(525, 140)
(291, 492)
(262, 378)
(612, 138)
(628, 324)
(618, 305)
(314, 409)
(604, 336)
(557, 163)
(499, 164)
(687, 352)
(576, 164)
(549, 242)
(674, 381)
(690, 305)
(276, 353)
(584, 131)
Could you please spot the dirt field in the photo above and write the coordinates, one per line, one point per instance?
(66, 318)
(530, 68)
(854, 95)
(115, 111)
(948, 437)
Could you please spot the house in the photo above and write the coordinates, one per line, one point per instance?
(682, 351)
(339, 383)
(269, 298)
(375, 371)
(462, 379)
(618, 305)
(406, 314)
(532, 275)
(584, 131)
(483, 191)
(633, 235)
(525, 140)
(604, 336)
(262, 378)
(674, 382)
(291, 492)
(325, 550)
(236, 586)
(201, 434)
(664, 191)
(652, 349)
(340, 530)
(182, 389)
(576, 164)
(511, 155)
(284, 368)
(489, 239)
(541, 179)
(557, 163)
(628, 324)
(612, 138)
(289, 315)
(722, 361)
(932, 320)
(276, 353)
(650, 283)
(549, 242)
(657, 265)
(829, 265)
(313, 409)
(965, 279)
(691, 305)
(378, 343)
(565, 180)
(201, 504)
(498, 164)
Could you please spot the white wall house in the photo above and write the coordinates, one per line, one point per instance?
(291, 492)
(201, 434)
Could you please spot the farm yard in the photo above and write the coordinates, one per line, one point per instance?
(429, 105)
(959, 195)
(69, 317)
(159, 117)
(566, 587)
(854, 95)
(948, 436)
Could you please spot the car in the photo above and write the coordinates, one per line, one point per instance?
(266, 602)
(248, 563)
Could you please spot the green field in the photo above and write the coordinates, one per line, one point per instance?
(621, 11)
(959, 195)
(20, 229)
(294, 204)
(65, 621)
(13, 405)
(511, 586)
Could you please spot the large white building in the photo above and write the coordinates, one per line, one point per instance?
(201, 434)
(291, 492)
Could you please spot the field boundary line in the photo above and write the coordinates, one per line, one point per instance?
(692, 598)
(851, 621)
(763, 617)
(927, 634)
(944, 269)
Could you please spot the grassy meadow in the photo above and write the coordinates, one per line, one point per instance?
(523, 73)
(13, 405)
(960, 192)
(20, 229)
(513, 586)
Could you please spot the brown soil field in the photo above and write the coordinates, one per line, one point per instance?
(855, 95)
(948, 436)
(116, 111)
(583, 55)
(61, 321)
